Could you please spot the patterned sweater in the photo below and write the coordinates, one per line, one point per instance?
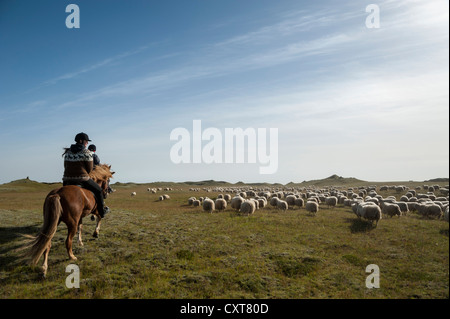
(78, 163)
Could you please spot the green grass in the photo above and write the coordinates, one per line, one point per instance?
(153, 249)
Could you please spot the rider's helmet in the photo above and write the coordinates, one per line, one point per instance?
(82, 136)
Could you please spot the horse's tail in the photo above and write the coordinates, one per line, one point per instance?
(52, 213)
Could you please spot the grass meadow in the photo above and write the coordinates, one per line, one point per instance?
(166, 249)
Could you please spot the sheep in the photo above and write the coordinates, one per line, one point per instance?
(166, 196)
(283, 205)
(299, 202)
(391, 209)
(331, 201)
(161, 198)
(133, 194)
(248, 207)
(446, 214)
(290, 200)
(312, 206)
(256, 202)
(430, 210)
(274, 200)
(236, 202)
(369, 211)
(403, 207)
(227, 197)
(191, 200)
(373, 200)
(221, 204)
(262, 202)
(208, 205)
(196, 203)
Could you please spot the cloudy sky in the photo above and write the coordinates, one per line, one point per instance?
(370, 103)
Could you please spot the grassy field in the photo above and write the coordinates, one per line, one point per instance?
(167, 249)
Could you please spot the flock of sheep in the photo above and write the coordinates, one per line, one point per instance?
(155, 190)
(365, 202)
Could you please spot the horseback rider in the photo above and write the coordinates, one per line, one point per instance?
(78, 163)
(93, 148)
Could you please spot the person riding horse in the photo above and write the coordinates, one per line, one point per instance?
(78, 163)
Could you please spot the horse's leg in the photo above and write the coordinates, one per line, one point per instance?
(97, 228)
(72, 230)
(80, 228)
(45, 264)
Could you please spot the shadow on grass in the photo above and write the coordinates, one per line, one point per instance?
(359, 225)
(11, 239)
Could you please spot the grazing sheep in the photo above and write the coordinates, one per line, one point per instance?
(161, 197)
(299, 202)
(221, 204)
(133, 194)
(274, 201)
(446, 214)
(191, 200)
(256, 202)
(374, 200)
(429, 210)
(369, 211)
(391, 209)
(196, 203)
(248, 207)
(283, 205)
(312, 207)
(208, 205)
(403, 207)
(331, 201)
(227, 197)
(290, 200)
(166, 196)
(236, 202)
(262, 202)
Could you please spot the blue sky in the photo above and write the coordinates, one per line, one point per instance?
(346, 99)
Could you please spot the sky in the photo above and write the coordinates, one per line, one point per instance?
(370, 103)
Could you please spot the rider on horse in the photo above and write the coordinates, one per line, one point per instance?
(78, 163)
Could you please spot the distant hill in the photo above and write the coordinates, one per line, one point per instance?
(333, 180)
(438, 180)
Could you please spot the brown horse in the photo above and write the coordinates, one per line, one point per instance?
(68, 204)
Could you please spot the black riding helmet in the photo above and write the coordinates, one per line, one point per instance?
(82, 136)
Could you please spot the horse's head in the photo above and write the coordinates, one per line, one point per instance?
(101, 174)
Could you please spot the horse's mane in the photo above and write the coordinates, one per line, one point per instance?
(101, 172)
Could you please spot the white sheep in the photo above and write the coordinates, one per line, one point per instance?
(391, 209)
(299, 202)
(312, 206)
(290, 200)
(331, 201)
(371, 212)
(191, 200)
(208, 205)
(273, 201)
(236, 202)
(283, 205)
(430, 210)
(221, 204)
(248, 207)
(133, 194)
